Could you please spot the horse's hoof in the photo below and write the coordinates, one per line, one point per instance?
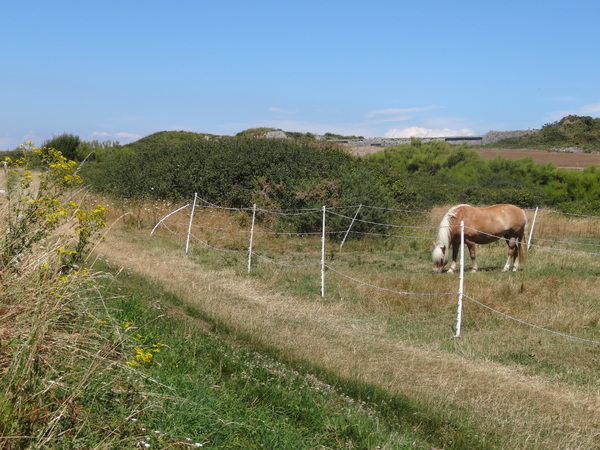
(450, 271)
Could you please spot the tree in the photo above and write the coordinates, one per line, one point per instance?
(66, 144)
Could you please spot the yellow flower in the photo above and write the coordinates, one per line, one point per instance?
(156, 347)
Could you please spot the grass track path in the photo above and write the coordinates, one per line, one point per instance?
(532, 411)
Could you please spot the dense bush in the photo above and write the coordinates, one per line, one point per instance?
(96, 150)
(240, 171)
(257, 132)
(422, 176)
(299, 174)
(65, 143)
(260, 132)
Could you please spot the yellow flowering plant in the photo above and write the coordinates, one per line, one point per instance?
(144, 355)
(44, 236)
(37, 206)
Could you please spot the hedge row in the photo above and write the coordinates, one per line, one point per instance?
(297, 174)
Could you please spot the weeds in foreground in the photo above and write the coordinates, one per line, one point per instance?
(47, 353)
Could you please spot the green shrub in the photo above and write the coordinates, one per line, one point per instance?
(237, 172)
(426, 175)
(66, 144)
(258, 132)
(96, 150)
(300, 173)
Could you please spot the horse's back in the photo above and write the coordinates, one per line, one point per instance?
(496, 219)
(515, 214)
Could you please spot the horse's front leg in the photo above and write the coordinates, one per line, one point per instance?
(471, 246)
(455, 247)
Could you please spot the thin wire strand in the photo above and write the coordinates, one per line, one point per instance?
(387, 289)
(530, 324)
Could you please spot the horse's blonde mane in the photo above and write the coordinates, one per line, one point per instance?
(443, 237)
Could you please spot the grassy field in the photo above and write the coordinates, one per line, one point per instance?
(158, 348)
(474, 391)
(144, 345)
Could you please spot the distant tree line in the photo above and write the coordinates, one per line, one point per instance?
(297, 174)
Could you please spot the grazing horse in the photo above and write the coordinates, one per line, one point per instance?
(482, 226)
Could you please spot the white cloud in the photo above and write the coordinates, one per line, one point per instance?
(121, 135)
(591, 109)
(278, 110)
(420, 132)
(392, 119)
(29, 136)
(394, 111)
(127, 135)
(563, 99)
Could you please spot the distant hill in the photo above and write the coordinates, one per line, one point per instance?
(572, 133)
(576, 133)
(170, 139)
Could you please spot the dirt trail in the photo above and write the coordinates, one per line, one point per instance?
(535, 412)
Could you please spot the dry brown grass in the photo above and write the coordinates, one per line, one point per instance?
(362, 333)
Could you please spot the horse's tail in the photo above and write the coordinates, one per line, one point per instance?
(522, 245)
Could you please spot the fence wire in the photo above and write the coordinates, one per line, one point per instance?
(380, 288)
(547, 330)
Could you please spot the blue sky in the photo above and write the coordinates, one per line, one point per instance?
(121, 70)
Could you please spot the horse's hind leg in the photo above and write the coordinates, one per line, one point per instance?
(517, 253)
(513, 255)
(471, 247)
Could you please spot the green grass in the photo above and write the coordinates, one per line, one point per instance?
(224, 395)
(543, 286)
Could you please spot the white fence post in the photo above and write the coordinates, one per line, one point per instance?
(531, 229)
(187, 243)
(323, 257)
(251, 237)
(461, 279)
(351, 223)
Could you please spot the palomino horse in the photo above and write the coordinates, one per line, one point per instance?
(482, 226)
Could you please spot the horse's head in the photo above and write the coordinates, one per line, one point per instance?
(439, 256)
